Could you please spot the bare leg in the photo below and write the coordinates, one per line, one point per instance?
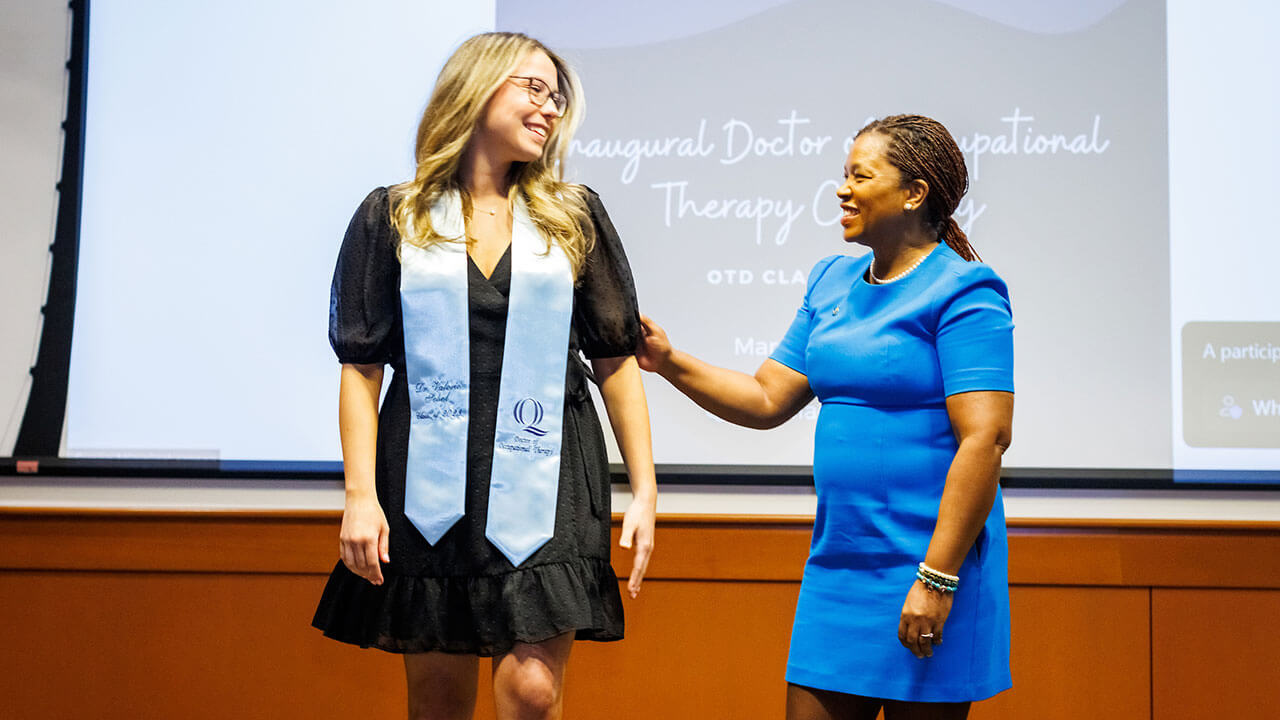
(806, 703)
(899, 710)
(441, 686)
(528, 682)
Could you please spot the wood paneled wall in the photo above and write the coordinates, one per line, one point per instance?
(110, 614)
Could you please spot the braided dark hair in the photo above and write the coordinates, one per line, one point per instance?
(922, 149)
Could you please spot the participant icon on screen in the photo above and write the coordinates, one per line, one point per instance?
(1230, 409)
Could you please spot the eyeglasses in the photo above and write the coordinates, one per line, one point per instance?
(539, 92)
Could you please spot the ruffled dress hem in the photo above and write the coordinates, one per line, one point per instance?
(481, 615)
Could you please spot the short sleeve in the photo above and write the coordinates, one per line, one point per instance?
(975, 334)
(606, 316)
(364, 298)
(791, 351)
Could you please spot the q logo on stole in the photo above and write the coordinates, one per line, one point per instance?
(528, 413)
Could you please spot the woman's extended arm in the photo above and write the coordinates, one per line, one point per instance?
(364, 537)
(624, 400)
(765, 400)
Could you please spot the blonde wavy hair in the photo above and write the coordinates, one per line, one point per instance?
(477, 69)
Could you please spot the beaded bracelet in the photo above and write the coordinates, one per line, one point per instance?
(939, 574)
(937, 581)
(952, 582)
(935, 585)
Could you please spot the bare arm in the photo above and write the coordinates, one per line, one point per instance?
(983, 425)
(624, 401)
(364, 536)
(764, 400)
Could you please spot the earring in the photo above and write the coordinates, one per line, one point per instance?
(907, 207)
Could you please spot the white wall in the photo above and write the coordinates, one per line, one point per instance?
(33, 52)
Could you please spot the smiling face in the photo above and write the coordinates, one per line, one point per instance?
(512, 128)
(873, 197)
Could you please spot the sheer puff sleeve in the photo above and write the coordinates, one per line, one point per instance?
(364, 300)
(606, 315)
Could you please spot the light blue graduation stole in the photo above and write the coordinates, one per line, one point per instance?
(526, 448)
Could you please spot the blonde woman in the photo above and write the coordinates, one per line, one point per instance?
(477, 509)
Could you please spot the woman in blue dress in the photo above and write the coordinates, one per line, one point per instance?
(909, 350)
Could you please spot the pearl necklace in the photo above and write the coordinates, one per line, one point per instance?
(871, 270)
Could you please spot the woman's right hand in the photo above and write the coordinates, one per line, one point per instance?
(655, 349)
(365, 538)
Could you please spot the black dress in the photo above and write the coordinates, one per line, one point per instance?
(462, 595)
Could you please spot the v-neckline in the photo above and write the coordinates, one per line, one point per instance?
(506, 255)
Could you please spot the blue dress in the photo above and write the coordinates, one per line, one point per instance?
(882, 359)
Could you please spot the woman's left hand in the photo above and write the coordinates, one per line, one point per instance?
(637, 533)
(923, 615)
